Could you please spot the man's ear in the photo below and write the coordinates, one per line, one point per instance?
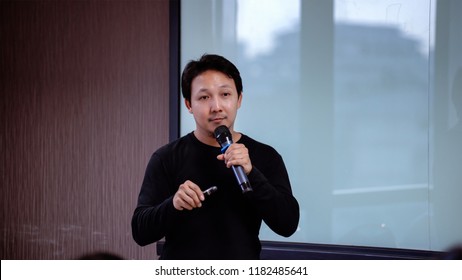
(188, 105)
(239, 100)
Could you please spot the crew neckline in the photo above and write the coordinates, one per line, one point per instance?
(197, 141)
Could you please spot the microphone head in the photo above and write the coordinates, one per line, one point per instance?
(223, 135)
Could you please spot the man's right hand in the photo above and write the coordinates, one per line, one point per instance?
(188, 196)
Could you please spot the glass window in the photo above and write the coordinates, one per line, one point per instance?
(363, 101)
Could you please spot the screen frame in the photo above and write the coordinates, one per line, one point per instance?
(273, 249)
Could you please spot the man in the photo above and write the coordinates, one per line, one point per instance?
(224, 224)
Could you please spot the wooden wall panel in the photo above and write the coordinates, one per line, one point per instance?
(84, 103)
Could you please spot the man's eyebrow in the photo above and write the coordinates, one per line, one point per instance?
(226, 87)
(206, 89)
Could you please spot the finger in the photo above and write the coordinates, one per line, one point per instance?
(187, 203)
(193, 198)
(179, 203)
(236, 150)
(239, 156)
(195, 192)
(183, 200)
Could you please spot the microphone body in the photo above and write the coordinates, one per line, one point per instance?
(224, 138)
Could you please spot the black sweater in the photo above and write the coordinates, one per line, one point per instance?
(228, 223)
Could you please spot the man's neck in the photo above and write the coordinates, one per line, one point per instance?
(209, 139)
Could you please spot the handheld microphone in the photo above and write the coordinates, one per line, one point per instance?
(224, 138)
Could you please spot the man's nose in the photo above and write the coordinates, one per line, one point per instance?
(215, 104)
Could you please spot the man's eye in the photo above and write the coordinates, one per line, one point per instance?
(203, 97)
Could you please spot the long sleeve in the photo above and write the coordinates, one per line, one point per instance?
(154, 213)
(228, 223)
(273, 196)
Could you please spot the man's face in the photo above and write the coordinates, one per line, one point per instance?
(214, 102)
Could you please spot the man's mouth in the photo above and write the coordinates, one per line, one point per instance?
(217, 119)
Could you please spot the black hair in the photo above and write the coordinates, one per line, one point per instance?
(209, 62)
